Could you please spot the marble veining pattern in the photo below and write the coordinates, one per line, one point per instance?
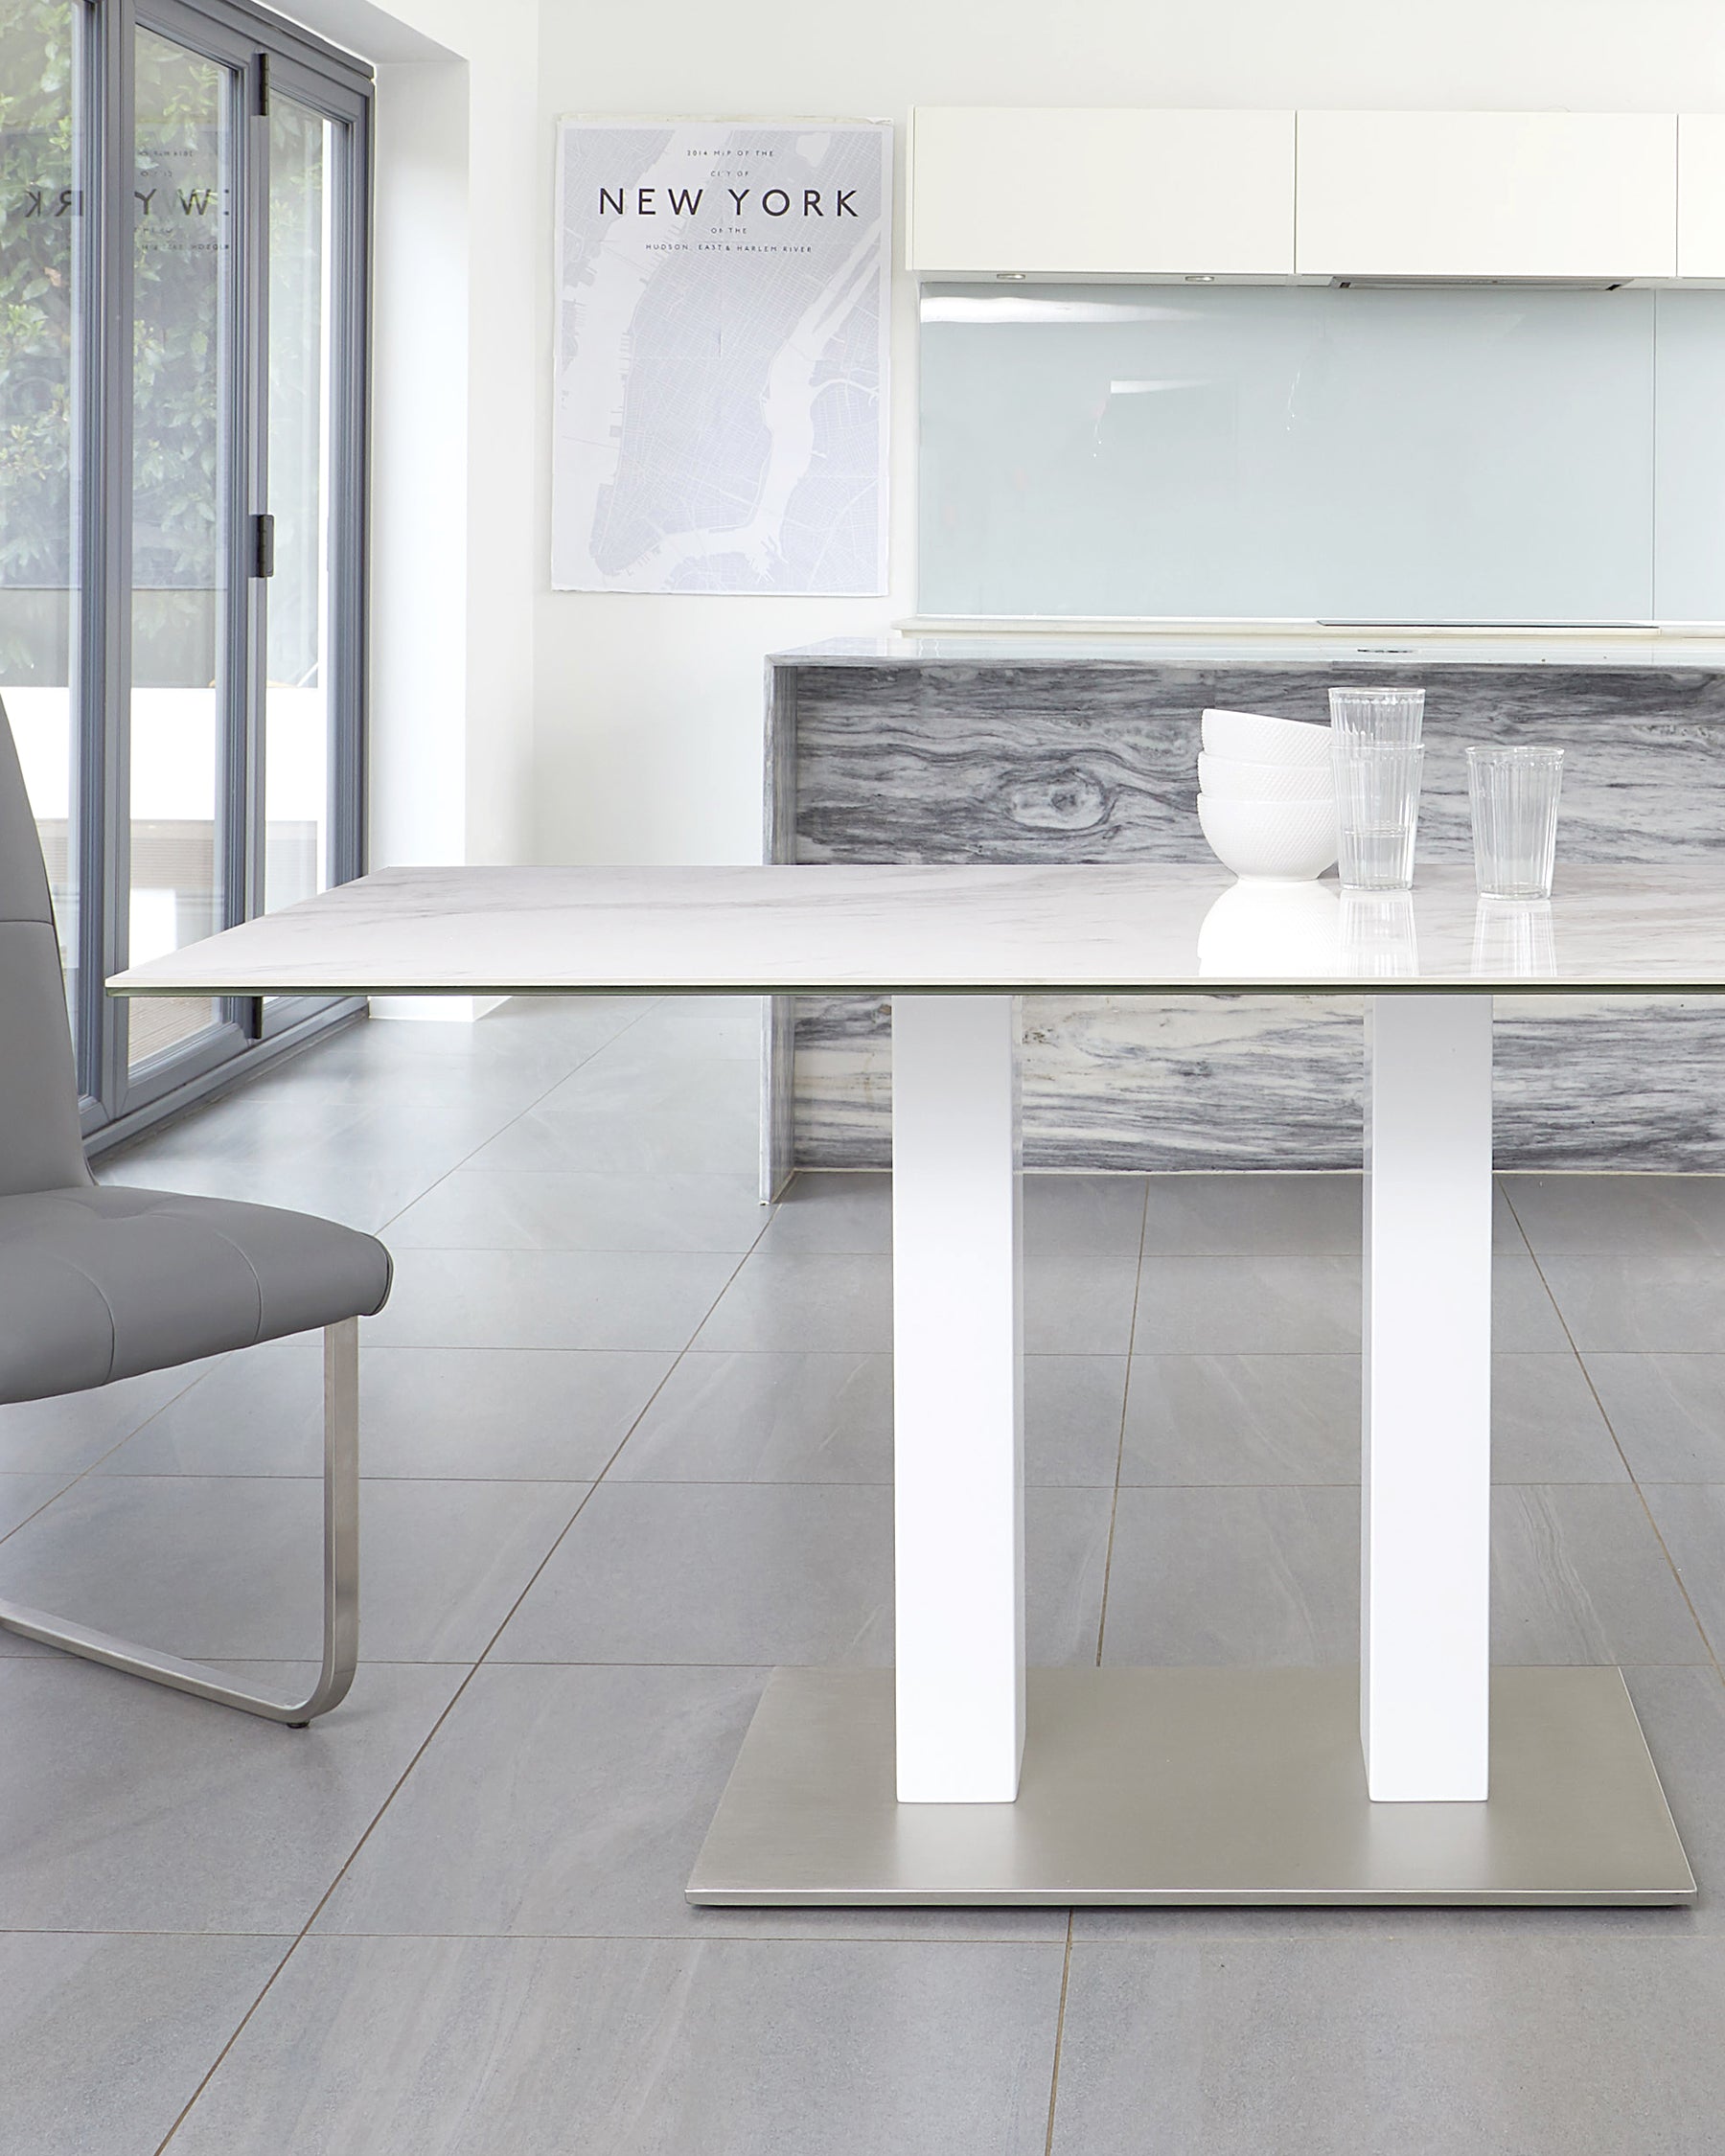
(939, 753)
(1275, 1083)
(1101, 763)
(1020, 929)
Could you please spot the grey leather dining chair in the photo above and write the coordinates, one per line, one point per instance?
(99, 1283)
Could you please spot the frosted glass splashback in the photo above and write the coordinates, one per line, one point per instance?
(1471, 454)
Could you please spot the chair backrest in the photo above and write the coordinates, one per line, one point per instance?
(41, 1147)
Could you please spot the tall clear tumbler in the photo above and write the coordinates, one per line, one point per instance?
(1513, 795)
(1391, 718)
(1377, 806)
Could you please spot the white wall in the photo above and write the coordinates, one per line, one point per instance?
(420, 524)
(649, 710)
(455, 278)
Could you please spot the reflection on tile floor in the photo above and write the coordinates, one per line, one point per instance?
(628, 1440)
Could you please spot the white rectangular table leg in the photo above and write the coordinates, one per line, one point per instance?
(958, 1406)
(1426, 1466)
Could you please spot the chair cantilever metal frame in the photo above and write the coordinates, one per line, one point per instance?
(99, 1283)
(340, 1576)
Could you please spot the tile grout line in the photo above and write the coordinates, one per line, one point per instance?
(455, 1166)
(1065, 1974)
(1632, 1920)
(1499, 1188)
(870, 1481)
(1634, 1480)
(240, 2029)
(657, 1662)
(957, 1942)
(91, 1467)
(1113, 1509)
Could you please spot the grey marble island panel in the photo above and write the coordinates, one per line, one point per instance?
(952, 749)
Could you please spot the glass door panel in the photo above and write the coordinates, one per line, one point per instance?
(183, 260)
(183, 245)
(42, 229)
(297, 711)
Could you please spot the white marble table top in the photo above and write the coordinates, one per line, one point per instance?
(1052, 643)
(1014, 928)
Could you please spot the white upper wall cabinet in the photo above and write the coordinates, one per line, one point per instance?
(1488, 195)
(1701, 194)
(1062, 193)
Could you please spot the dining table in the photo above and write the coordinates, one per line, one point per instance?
(960, 1776)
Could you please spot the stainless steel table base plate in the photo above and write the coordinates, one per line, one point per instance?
(1193, 1787)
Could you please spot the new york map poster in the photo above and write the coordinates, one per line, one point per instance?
(720, 420)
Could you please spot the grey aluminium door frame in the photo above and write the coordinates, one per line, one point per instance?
(102, 444)
(348, 103)
(257, 49)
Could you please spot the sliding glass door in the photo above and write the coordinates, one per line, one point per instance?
(44, 280)
(181, 413)
(187, 418)
(303, 153)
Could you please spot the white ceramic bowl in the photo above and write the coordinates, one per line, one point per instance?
(1255, 738)
(1286, 839)
(1226, 778)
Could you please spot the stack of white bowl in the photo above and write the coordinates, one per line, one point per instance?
(1266, 798)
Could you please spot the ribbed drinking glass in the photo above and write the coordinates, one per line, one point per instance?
(1377, 806)
(1388, 716)
(1513, 795)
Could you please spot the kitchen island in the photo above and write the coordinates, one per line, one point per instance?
(1057, 748)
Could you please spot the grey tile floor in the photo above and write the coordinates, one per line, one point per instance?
(626, 1442)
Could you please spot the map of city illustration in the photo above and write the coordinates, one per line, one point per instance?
(721, 349)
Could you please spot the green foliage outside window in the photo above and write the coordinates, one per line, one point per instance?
(181, 262)
(180, 253)
(36, 298)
